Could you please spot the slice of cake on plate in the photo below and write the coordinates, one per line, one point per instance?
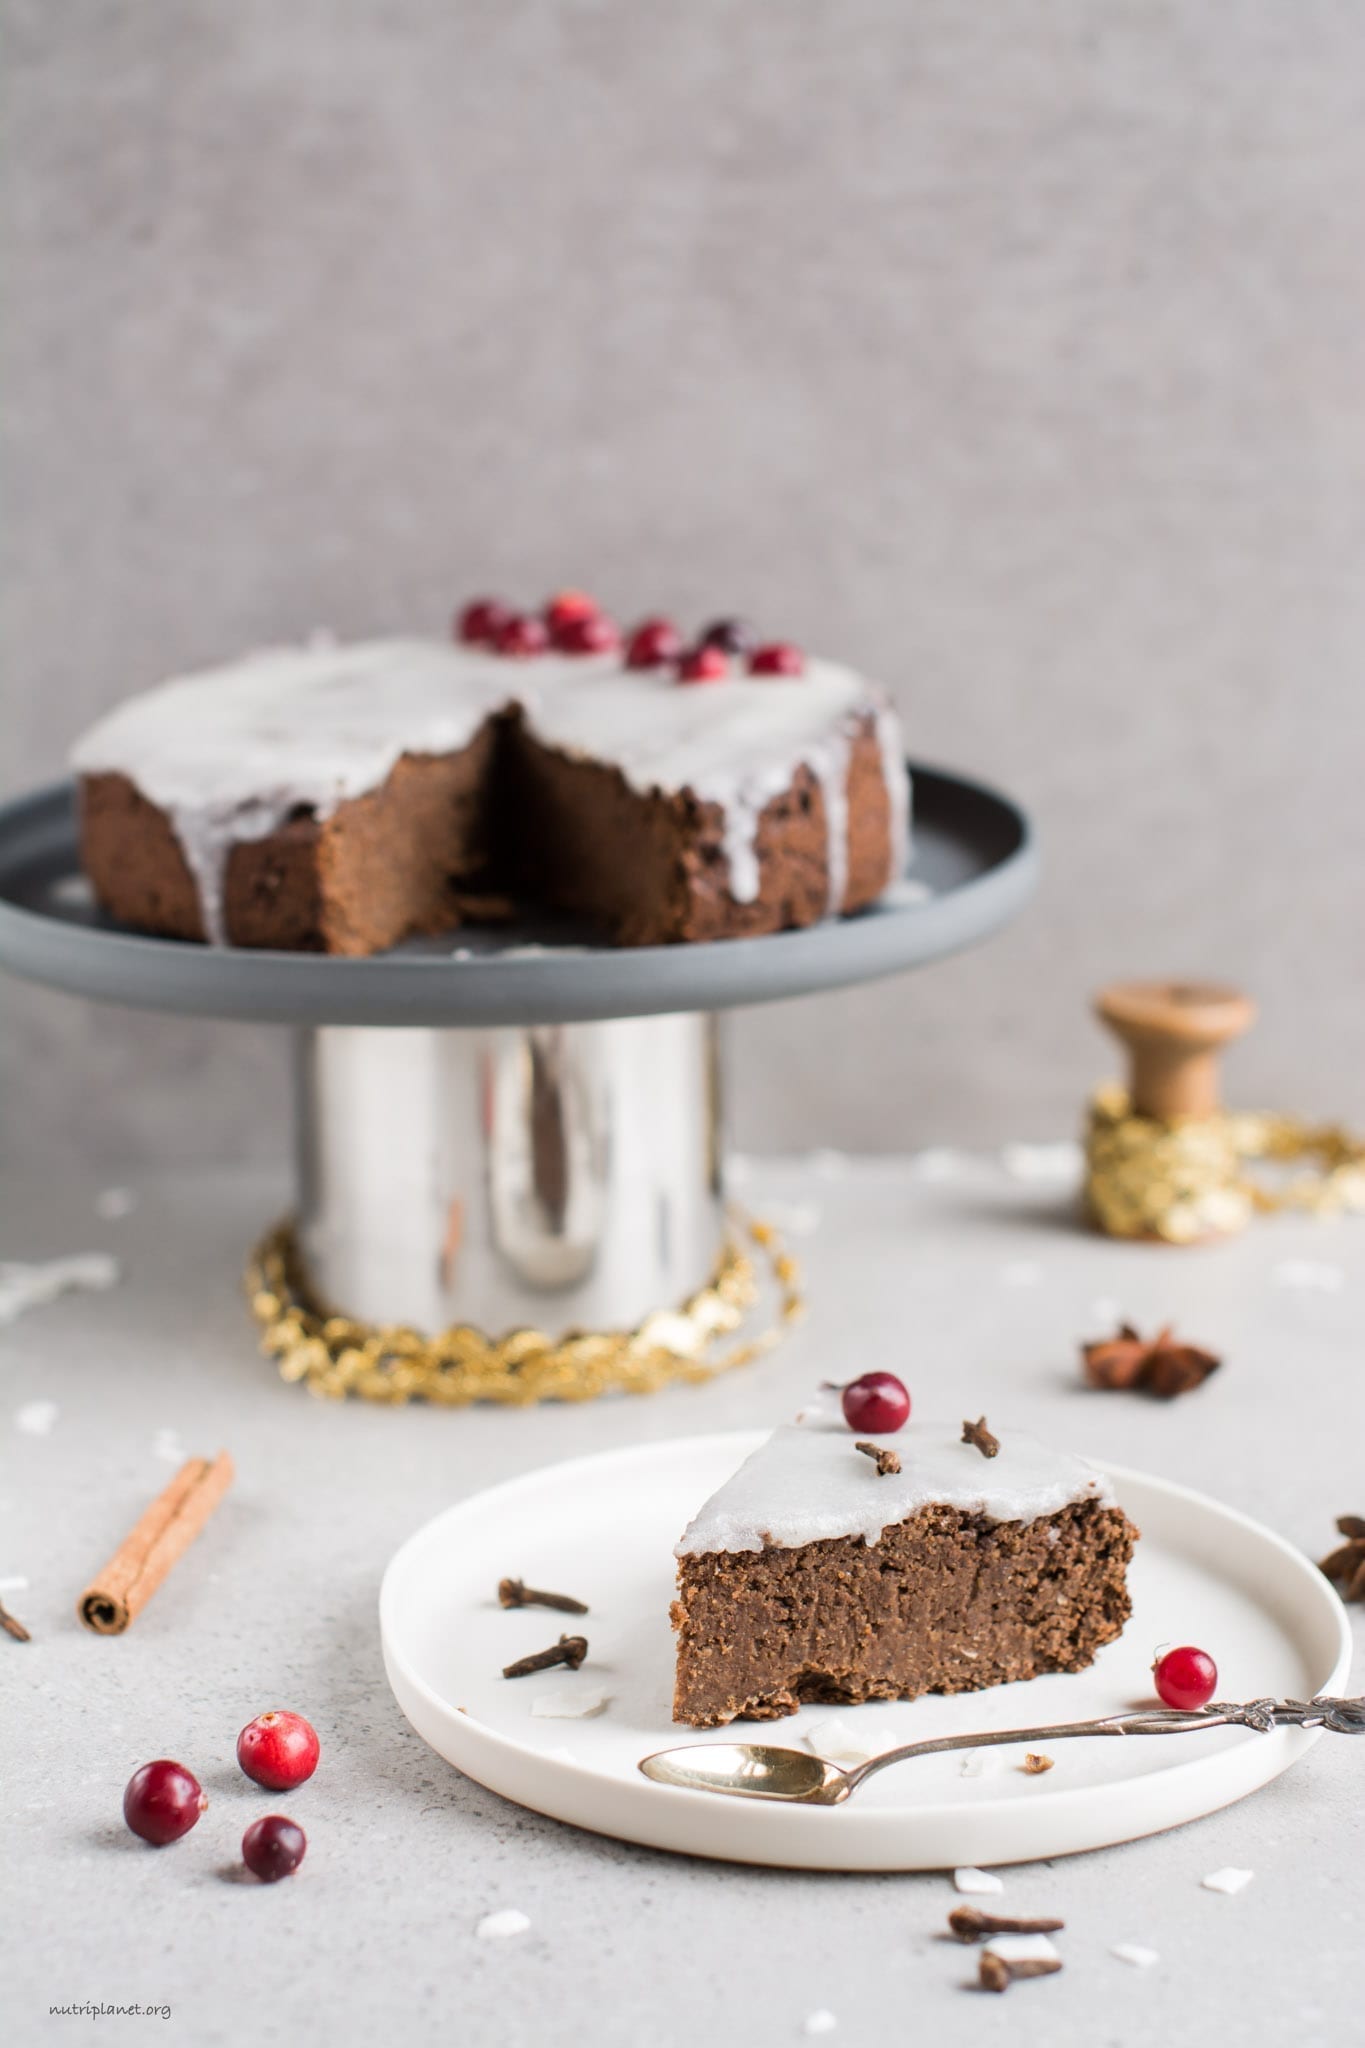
(822, 1571)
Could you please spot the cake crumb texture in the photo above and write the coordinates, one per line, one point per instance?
(945, 1602)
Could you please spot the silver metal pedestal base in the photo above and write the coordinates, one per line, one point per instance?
(557, 1175)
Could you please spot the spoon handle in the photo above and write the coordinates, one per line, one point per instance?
(1343, 1717)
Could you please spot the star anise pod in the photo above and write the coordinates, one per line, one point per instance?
(1157, 1365)
(1346, 1567)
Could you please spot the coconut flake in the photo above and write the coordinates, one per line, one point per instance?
(980, 1763)
(821, 2021)
(37, 1418)
(25, 1285)
(1308, 1274)
(1022, 1948)
(1230, 1880)
(977, 1884)
(1038, 1163)
(113, 1203)
(568, 1703)
(1132, 1952)
(840, 1742)
(938, 1164)
(497, 1926)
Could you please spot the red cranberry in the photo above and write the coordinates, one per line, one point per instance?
(654, 642)
(877, 1403)
(594, 633)
(566, 606)
(704, 665)
(1186, 1677)
(521, 635)
(273, 1848)
(733, 635)
(481, 622)
(278, 1750)
(778, 658)
(163, 1801)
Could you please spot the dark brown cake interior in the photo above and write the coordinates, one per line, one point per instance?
(944, 1602)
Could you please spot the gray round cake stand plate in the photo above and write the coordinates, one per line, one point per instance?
(973, 866)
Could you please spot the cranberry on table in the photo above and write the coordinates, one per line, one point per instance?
(481, 622)
(704, 665)
(877, 1403)
(778, 658)
(594, 633)
(1186, 1677)
(653, 643)
(273, 1847)
(278, 1750)
(522, 635)
(733, 635)
(163, 1801)
(567, 605)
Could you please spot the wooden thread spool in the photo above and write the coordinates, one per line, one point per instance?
(1174, 1032)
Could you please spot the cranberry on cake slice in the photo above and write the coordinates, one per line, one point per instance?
(732, 636)
(594, 633)
(653, 644)
(777, 658)
(481, 621)
(568, 606)
(704, 665)
(522, 635)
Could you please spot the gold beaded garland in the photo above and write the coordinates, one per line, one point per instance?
(335, 1356)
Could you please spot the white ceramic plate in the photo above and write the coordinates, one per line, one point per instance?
(603, 1529)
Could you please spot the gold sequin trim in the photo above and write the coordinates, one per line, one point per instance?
(335, 1356)
(1186, 1180)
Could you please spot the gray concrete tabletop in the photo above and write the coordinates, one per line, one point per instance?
(960, 1273)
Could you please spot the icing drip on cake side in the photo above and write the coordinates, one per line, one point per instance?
(809, 1482)
(230, 753)
(897, 779)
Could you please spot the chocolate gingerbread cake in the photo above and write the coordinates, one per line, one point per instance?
(820, 1573)
(341, 799)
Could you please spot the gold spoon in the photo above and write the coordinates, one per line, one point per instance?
(757, 1770)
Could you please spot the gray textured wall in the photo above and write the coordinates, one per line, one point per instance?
(1013, 351)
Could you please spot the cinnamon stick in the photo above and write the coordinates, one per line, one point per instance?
(118, 1594)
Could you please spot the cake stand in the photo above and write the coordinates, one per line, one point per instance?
(516, 1127)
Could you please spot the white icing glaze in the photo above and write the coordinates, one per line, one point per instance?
(230, 752)
(808, 1482)
(897, 779)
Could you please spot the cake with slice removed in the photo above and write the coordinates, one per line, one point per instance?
(343, 798)
(818, 1572)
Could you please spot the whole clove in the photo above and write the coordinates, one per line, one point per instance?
(993, 1974)
(513, 1593)
(570, 1650)
(886, 1461)
(969, 1923)
(978, 1434)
